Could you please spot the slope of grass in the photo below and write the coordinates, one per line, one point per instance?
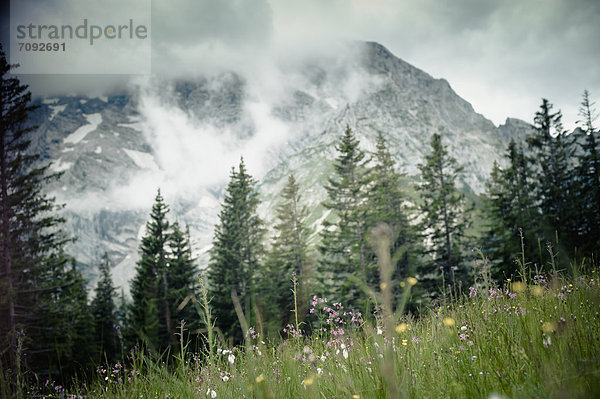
(539, 340)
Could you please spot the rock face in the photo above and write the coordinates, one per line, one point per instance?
(106, 146)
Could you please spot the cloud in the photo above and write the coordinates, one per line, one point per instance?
(502, 55)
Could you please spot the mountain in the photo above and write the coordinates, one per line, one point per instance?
(185, 135)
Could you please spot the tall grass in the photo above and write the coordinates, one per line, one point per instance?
(537, 337)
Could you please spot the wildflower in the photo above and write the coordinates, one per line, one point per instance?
(463, 337)
(319, 370)
(379, 331)
(415, 340)
(345, 354)
(448, 321)
(463, 328)
(404, 342)
(472, 292)
(548, 327)
(412, 280)
(400, 328)
(308, 382)
(383, 286)
(537, 290)
(231, 358)
(225, 378)
(211, 393)
(260, 378)
(355, 396)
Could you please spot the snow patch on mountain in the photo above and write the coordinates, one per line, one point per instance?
(94, 120)
(60, 166)
(142, 159)
(57, 109)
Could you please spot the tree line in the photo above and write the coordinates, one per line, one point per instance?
(541, 206)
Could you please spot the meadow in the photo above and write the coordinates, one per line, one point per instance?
(535, 338)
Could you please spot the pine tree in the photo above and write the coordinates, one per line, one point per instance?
(79, 325)
(588, 179)
(445, 213)
(512, 211)
(104, 312)
(150, 315)
(288, 258)
(182, 276)
(236, 253)
(344, 247)
(39, 290)
(386, 204)
(552, 151)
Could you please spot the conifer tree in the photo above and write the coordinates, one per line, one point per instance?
(236, 253)
(39, 291)
(288, 258)
(104, 312)
(344, 247)
(512, 211)
(445, 213)
(182, 276)
(552, 151)
(150, 316)
(588, 179)
(386, 203)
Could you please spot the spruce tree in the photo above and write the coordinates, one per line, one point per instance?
(588, 179)
(104, 312)
(552, 152)
(40, 291)
(150, 316)
(344, 247)
(236, 253)
(445, 215)
(288, 258)
(512, 212)
(182, 276)
(387, 204)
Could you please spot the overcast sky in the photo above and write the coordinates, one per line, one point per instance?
(500, 55)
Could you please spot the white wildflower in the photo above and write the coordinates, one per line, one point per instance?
(211, 393)
(231, 358)
(345, 353)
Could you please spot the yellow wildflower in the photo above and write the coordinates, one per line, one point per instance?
(518, 286)
(412, 280)
(448, 321)
(400, 328)
(308, 382)
(548, 327)
(260, 378)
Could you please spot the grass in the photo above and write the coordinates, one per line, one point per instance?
(536, 340)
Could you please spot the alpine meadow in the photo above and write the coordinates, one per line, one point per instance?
(323, 221)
